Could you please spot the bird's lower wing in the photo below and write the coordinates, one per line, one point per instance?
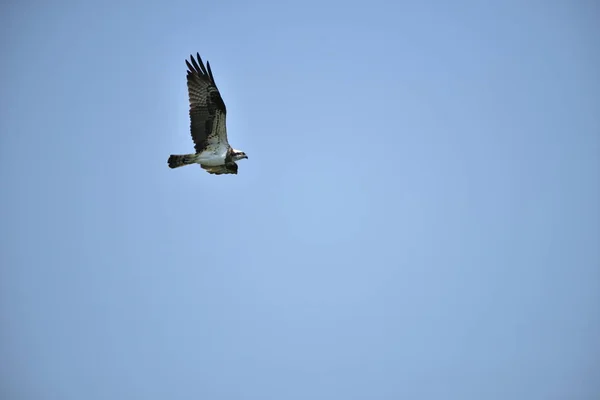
(218, 170)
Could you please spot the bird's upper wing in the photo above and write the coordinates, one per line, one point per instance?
(207, 109)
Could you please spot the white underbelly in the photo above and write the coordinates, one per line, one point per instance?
(210, 158)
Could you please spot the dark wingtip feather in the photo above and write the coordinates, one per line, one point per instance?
(212, 78)
(190, 68)
(198, 68)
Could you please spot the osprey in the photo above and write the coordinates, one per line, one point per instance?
(209, 133)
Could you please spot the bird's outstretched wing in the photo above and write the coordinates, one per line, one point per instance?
(228, 168)
(207, 109)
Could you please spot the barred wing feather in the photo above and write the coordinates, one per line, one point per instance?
(207, 109)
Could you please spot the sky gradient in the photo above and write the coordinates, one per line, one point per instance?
(418, 218)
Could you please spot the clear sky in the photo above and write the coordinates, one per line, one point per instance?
(419, 216)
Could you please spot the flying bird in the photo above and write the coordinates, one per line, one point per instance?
(209, 132)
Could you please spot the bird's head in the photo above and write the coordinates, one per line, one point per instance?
(238, 155)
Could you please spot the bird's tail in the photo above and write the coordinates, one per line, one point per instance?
(176, 161)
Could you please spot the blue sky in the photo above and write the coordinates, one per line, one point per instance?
(418, 217)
